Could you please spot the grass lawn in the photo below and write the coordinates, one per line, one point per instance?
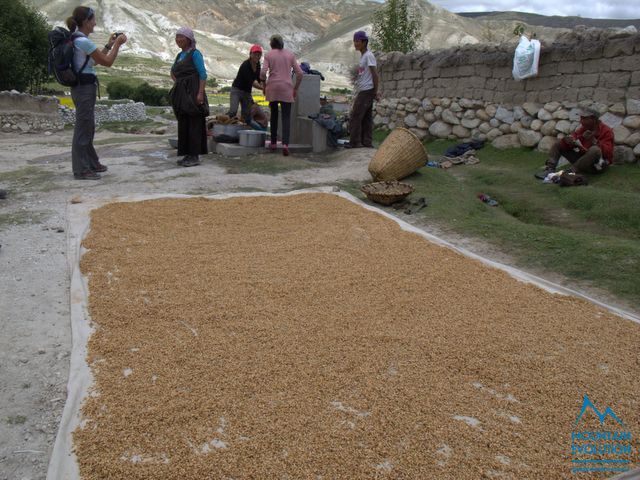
(129, 127)
(589, 234)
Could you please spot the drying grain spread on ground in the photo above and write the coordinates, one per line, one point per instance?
(306, 337)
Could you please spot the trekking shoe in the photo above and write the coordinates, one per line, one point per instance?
(272, 147)
(543, 174)
(87, 175)
(100, 168)
(191, 162)
(181, 161)
(352, 145)
(600, 164)
(285, 150)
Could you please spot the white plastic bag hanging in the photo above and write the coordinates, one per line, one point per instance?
(525, 61)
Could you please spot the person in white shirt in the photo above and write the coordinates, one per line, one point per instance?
(366, 86)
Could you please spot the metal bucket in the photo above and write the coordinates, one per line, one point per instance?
(252, 138)
(218, 129)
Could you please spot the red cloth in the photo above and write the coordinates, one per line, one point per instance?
(602, 137)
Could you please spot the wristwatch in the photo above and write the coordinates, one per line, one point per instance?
(107, 47)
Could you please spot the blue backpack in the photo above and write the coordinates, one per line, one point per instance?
(61, 57)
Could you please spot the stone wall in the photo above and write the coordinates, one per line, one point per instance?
(125, 111)
(21, 112)
(470, 92)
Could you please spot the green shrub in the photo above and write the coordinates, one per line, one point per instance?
(143, 92)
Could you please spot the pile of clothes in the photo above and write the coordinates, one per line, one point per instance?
(306, 68)
(461, 154)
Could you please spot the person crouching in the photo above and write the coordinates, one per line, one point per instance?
(589, 149)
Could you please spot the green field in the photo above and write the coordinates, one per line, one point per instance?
(588, 234)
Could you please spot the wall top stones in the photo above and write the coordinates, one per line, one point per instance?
(16, 102)
(584, 64)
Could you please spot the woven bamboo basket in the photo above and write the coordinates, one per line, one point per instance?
(401, 154)
(386, 193)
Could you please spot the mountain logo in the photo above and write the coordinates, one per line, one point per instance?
(588, 404)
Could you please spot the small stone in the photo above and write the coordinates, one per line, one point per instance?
(531, 108)
(544, 115)
(561, 114)
(564, 126)
(632, 121)
(529, 138)
(620, 134)
(546, 143)
(551, 106)
(633, 139)
(506, 141)
(623, 154)
(505, 115)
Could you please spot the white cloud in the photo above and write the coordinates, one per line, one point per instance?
(593, 9)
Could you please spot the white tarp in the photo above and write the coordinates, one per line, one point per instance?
(63, 464)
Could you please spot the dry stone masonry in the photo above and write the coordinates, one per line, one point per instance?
(127, 111)
(24, 113)
(469, 92)
(21, 112)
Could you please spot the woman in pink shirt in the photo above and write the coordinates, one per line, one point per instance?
(279, 89)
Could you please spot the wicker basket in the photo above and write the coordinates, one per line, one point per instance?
(386, 193)
(400, 155)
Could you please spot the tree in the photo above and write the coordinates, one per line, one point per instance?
(396, 28)
(23, 47)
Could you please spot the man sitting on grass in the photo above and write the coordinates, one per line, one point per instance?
(589, 149)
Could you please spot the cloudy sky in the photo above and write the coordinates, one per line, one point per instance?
(590, 9)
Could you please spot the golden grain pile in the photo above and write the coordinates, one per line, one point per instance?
(306, 337)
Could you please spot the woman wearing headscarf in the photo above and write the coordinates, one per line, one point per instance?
(84, 159)
(247, 78)
(188, 99)
(279, 90)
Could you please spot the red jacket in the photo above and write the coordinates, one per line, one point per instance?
(602, 137)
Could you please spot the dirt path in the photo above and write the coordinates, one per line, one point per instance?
(34, 279)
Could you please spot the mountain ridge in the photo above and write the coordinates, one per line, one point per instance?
(553, 21)
(318, 31)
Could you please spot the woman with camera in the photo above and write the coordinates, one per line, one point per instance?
(85, 162)
(188, 99)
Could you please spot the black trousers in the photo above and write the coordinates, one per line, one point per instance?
(192, 135)
(286, 121)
